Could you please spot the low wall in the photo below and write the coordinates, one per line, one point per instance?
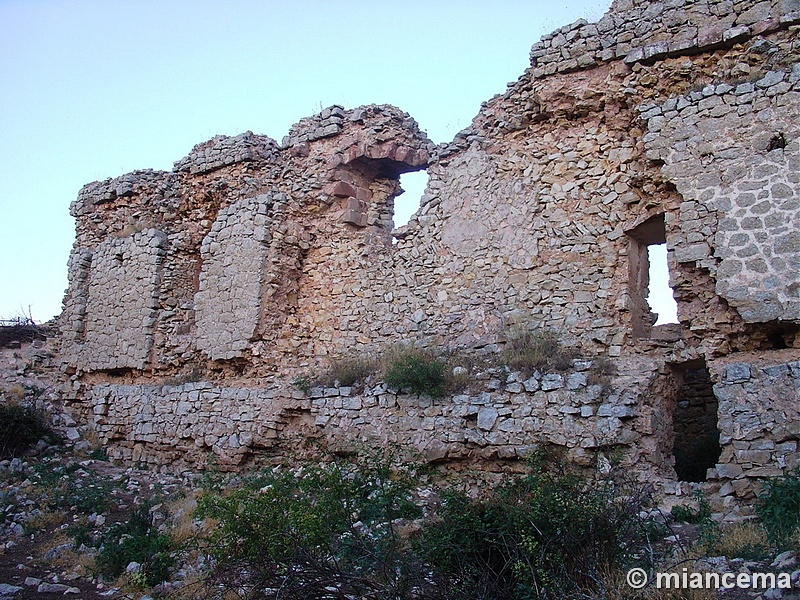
(759, 423)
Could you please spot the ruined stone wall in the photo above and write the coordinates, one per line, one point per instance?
(500, 416)
(759, 421)
(638, 30)
(665, 122)
(734, 155)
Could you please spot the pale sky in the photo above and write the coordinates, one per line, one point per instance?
(94, 89)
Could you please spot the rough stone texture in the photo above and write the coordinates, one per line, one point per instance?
(642, 31)
(122, 302)
(223, 150)
(759, 421)
(670, 122)
(734, 154)
(228, 300)
(498, 420)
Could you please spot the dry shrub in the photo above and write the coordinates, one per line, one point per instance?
(743, 540)
(348, 371)
(617, 588)
(183, 528)
(528, 349)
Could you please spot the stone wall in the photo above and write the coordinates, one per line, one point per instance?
(500, 416)
(642, 31)
(759, 421)
(733, 153)
(667, 122)
(229, 296)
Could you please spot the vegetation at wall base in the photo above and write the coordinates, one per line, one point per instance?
(779, 507)
(374, 527)
(550, 534)
(686, 513)
(21, 427)
(352, 528)
(317, 527)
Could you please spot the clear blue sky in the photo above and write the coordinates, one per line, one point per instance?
(95, 89)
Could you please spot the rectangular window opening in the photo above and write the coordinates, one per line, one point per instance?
(653, 308)
(660, 299)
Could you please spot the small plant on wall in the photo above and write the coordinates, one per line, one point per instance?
(348, 371)
(529, 349)
(416, 371)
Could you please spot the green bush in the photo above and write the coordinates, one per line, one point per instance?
(21, 427)
(550, 534)
(686, 513)
(709, 533)
(315, 529)
(779, 506)
(416, 371)
(137, 540)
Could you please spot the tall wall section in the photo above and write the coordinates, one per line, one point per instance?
(254, 264)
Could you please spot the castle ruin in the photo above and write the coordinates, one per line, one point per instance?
(196, 297)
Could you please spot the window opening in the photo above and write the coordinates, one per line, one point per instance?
(660, 299)
(407, 203)
(652, 301)
(696, 435)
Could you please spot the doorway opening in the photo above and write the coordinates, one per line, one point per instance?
(696, 445)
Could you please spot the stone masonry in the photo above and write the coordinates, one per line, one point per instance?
(197, 297)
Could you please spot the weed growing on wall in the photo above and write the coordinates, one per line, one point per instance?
(416, 371)
(528, 350)
(348, 371)
(687, 513)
